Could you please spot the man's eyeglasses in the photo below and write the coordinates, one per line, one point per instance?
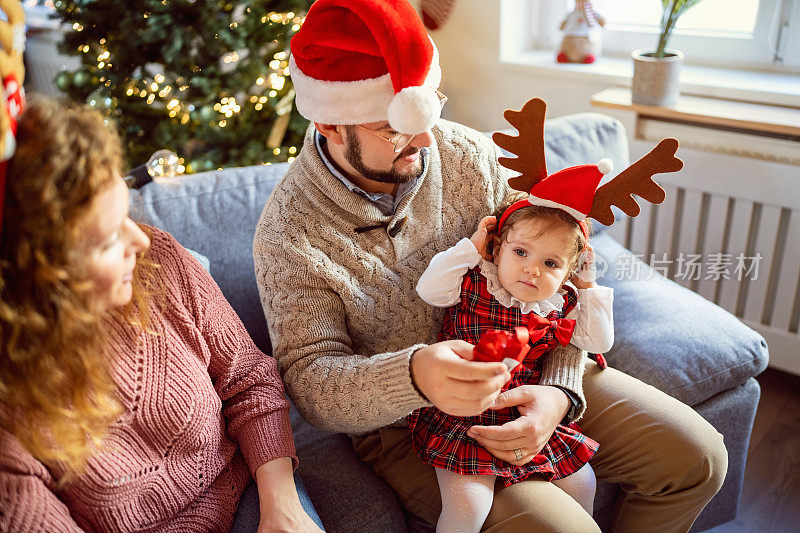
(399, 140)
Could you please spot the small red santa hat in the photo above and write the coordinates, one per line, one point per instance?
(359, 61)
(571, 190)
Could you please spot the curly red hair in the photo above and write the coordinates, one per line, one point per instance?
(55, 380)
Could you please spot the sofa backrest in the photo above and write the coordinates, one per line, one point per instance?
(215, 213)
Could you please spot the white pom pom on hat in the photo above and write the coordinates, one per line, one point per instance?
(414, 110)
(605, 166)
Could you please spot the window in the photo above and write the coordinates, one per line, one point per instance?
(734, 33)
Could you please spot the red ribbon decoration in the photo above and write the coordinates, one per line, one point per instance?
(497, 345)
(561, 328)
(14, 101)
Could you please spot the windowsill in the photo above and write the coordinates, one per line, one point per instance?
(772, 88)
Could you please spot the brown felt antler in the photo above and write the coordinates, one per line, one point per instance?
(636, 179)
(528, 146)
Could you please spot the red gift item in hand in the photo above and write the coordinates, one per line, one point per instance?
(509, 347)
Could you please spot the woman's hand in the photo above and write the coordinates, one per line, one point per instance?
(541, 408)
(288, 520)
(279, 504)
(584, 277)
(481, 236)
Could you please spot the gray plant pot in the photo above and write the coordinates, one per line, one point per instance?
(656, 79)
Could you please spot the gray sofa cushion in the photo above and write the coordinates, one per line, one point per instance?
(215, 214)
(346, 492)
(657, 321)
(584, 139)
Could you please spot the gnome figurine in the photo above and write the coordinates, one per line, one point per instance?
(582, 40)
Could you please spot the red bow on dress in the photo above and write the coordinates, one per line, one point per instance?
(512, 347)
(561, 328)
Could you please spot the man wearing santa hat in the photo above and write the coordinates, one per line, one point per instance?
(380, 186)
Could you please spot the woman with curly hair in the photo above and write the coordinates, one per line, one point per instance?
(131, 396)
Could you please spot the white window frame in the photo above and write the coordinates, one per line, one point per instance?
(773, 45)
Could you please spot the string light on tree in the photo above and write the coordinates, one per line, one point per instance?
(216, 92)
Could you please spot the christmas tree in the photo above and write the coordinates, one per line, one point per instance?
(206, 79)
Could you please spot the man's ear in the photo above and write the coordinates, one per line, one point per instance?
(331, 132)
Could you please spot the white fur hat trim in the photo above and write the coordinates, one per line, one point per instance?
(535, 200)
(364, 101)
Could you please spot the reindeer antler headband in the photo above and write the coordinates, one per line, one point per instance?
(12, 72)
(574, 189)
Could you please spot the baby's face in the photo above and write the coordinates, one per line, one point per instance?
(532, 265)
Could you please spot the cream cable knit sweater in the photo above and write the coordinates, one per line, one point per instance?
(342, 311)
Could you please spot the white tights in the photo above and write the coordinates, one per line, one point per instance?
(466, 500)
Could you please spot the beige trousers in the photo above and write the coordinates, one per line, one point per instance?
(668, 460)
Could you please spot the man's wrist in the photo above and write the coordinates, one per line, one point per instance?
(411, 373)
(574, 405)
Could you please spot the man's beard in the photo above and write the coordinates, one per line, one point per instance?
(353, 156)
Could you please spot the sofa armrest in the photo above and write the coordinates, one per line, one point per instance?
(671, 337)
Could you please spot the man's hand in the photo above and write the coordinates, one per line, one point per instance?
(541, 408)
(445, 374)
(481, 236)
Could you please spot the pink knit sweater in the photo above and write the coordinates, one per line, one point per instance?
(202, 404)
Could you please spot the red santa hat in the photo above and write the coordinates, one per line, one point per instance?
(571, 190)
(359, 61)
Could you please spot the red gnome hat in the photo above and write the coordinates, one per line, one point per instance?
(360, 61)
(571, 189)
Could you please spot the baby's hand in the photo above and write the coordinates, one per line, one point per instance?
(584, 277)
(481, 236)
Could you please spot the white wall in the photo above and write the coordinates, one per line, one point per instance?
(479, 88)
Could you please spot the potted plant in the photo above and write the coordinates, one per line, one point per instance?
(656, 73)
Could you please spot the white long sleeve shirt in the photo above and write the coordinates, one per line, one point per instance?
(440, 286)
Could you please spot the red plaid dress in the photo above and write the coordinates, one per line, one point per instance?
(441, 440)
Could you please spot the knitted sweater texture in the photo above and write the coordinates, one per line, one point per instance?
(342, 311)
(203, 408)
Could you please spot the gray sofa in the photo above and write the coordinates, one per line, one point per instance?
(665, 335)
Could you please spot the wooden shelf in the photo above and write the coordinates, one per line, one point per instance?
(710, 112)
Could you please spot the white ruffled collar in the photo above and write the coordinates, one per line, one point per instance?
(541, 308)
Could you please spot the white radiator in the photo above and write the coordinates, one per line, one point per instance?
(735, 204)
